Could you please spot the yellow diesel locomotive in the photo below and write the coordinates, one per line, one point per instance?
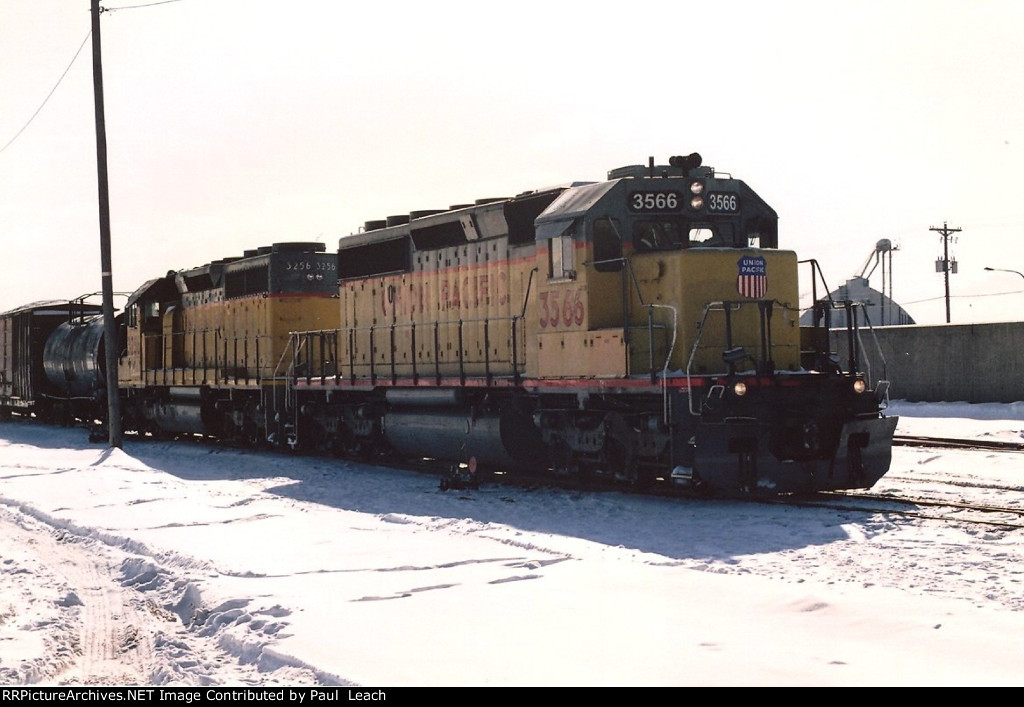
(644, 327)
(204, 349)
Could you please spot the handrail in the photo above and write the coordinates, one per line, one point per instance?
(201, 360)
(374, 365)
(526, 295)
(668, 355)
(816, 271)
(765, 307)
(693, 354)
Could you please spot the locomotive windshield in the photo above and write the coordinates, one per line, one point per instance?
(661, 209)
(706, 211)
(676, 233)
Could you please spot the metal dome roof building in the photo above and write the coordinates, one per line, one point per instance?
(879, 309)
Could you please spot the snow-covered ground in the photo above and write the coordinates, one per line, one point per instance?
(188, 564)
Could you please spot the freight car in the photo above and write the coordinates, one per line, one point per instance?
(642, 328)
(51, 361)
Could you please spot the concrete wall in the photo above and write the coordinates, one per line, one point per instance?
(975, 363)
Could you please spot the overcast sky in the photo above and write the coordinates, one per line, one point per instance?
(233, 124)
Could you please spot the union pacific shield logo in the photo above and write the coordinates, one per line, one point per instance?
(752, 279)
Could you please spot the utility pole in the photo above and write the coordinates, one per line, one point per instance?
(109, 328)
(947, 233)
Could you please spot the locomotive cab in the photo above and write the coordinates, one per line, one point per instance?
(628, 265)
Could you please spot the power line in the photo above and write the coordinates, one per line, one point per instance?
(974, 296)
(807, 295)
(72, 62)
(136, 7)
(49, 94)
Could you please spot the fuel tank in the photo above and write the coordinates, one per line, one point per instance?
(505, 440)
(73, 358)
(178, 416)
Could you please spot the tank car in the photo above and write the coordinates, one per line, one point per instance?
(643, 327)
(204, 346)
(51, 361)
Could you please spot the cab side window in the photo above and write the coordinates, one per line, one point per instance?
(607, 245)
(560, 256)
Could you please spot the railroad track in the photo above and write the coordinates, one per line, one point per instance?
(866, 501)
(952, 443)
(1007, 517)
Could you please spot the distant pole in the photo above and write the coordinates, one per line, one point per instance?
(946, 235)
(109, 328)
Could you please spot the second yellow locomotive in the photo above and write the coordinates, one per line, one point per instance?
(205, 348)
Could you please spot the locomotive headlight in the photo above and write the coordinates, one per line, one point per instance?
(696, 187)
(696, 202)
(859, 386)
(739, 389)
